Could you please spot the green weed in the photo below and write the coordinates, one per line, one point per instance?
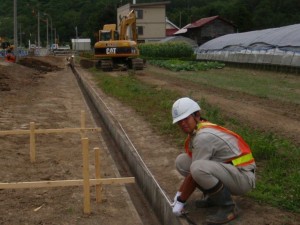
(179, 65)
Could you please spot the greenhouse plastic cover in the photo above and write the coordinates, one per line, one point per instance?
(186, 40)
(284, 38)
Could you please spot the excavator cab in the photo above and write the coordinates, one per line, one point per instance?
(108, 35)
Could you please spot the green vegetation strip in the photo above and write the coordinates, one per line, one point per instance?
(278, 175)
(166, 50)
(179, 65)
(264, 84)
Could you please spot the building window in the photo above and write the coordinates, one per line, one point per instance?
(140, 30)
(139, 13)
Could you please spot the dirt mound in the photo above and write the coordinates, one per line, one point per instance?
(41, 66)
(35, 69)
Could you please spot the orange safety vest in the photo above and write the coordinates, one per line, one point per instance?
(243, 159)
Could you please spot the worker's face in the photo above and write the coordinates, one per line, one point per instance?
(188, 125)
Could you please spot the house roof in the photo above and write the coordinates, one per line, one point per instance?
(171, 24)
(183, 30)
(149, 4)
(170, 32)
(200, 23)
(171, 28)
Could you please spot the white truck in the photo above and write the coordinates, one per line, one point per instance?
(56, 49)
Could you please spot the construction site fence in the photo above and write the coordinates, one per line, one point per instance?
(21, 53)
(36, 52)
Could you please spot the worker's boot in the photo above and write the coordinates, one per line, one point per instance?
(205, 202)
(227, 210)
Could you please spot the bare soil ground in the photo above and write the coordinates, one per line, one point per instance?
(46, 92)
(53, 100)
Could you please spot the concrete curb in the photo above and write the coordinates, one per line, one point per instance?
(155, 195)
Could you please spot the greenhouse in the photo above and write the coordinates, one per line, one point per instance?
(275, 46)
(186, 40)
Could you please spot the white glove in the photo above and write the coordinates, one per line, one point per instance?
(178, 208)
(175, 198)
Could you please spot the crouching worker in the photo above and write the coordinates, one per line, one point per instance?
(216, 160)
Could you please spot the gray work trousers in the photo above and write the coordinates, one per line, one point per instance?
(208, 173)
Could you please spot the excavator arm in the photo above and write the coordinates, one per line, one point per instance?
(128, 24)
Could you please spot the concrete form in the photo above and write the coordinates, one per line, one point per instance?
(151, 188)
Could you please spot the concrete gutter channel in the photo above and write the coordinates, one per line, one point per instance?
(154, 194)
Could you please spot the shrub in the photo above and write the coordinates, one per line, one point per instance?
(166, 50)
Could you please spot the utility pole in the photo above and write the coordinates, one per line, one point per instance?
(15, 32)
(39, 39)
(54, 35)
(47, 34)
(76, 38)
(20, 35)
(51, 32)
(180, 19)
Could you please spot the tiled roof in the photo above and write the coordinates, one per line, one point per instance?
(170, 32)
(201, 22)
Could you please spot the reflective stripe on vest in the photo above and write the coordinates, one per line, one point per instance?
(242, 160)
(187, 145)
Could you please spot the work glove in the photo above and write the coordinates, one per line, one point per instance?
(175, 198)
(178, 208)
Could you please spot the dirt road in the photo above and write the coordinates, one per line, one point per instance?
(52, 100)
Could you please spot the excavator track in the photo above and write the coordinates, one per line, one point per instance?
(106, 65)
(137, 64)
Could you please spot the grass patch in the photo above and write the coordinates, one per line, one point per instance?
(263, 84)
(179, 65)
(278, 175)
(152, 103)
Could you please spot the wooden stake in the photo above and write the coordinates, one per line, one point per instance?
(65, 183)
(32, 142)
(48, 131)
(83, 124)
(97, 174)
(86, 176)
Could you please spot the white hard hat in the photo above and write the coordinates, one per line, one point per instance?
(184, 107)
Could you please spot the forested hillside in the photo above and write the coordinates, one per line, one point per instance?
(90, 15)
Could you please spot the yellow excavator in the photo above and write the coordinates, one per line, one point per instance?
(118, 49)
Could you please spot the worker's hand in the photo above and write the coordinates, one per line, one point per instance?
(178, 208)
(175, 198)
